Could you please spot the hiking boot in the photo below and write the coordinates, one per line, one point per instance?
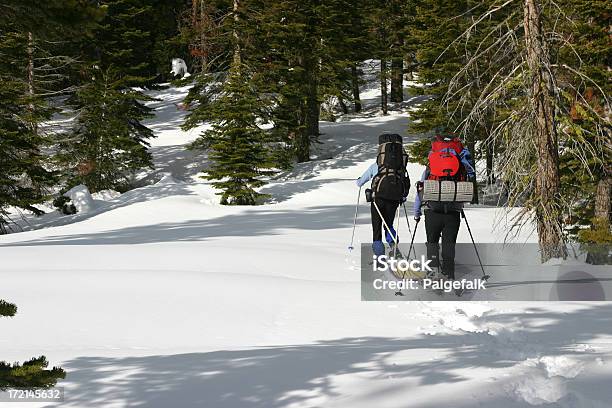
(378, 248)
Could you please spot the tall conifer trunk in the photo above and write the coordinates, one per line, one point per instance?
(383, 86)
(489, 160)
(602, 200)
(198, 20)
(30, 70)
(355, 85)
(237, 60)
(311, 109)
(470, 142)
(547, 181)
(397, 74)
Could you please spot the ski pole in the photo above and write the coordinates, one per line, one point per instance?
(412, 238)
(396, 232)
(408, 224)
(484, 276)
(397, 216)
(416, 225)
(399, 292)
(355, 220)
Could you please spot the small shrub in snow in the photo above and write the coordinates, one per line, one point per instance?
(64, 205)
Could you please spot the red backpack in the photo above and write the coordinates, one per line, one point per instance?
(444, 163)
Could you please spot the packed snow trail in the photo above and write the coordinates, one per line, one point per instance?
(161, 297)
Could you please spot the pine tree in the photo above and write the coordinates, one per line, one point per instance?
(140, 36)
(31, 69)
(300, 54)
(164, 28)
(401, 20)
(24, 169)
(435, 33)
(586, 173)
(437, 24)
(108, 142)
(236, 142)
(32, 373)
(237, 150)
(24, 174)
(344, 45)
(381, 38)
(202, 29)
(536, 87)
(124, 41)
(294, 31)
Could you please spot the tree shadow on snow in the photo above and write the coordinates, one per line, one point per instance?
(177, 161)
(348, 143)
(250, 222)
(142, 194)
(280, 192)
(272, 377)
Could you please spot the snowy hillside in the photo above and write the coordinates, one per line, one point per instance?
(160, 297)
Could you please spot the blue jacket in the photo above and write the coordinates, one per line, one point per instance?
(368, 174)
(465, 160)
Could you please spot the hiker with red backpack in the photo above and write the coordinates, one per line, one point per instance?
(445, 185)
(390, 185)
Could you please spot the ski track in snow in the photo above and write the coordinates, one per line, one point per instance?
(161, 297)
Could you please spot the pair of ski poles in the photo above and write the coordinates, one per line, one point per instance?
(394, 236)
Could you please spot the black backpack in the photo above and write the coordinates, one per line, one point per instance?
(392, 181)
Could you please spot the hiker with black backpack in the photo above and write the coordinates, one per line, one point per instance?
(390, 185)
(446, 183)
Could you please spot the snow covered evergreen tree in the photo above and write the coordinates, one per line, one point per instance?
(108, 142)
(236, 107)
(24, 175)
(437, 26)
(124, 40)
(293, 68)
(237, 143)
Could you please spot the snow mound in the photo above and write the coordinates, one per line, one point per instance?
(561, 366)
(545, 379)
(106, 195)
(179, 68)
(81, 198)
(539, 390)
(167, 179)
(457, 316)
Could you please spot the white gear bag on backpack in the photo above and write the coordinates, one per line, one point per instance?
(448, 191)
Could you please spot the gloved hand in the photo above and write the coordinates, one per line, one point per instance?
(417, 218)
(403, 200)
(471, 177)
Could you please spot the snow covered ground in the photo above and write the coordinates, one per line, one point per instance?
(160, 297)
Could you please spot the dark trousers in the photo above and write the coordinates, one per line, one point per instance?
(387, 209)
(445, 225)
